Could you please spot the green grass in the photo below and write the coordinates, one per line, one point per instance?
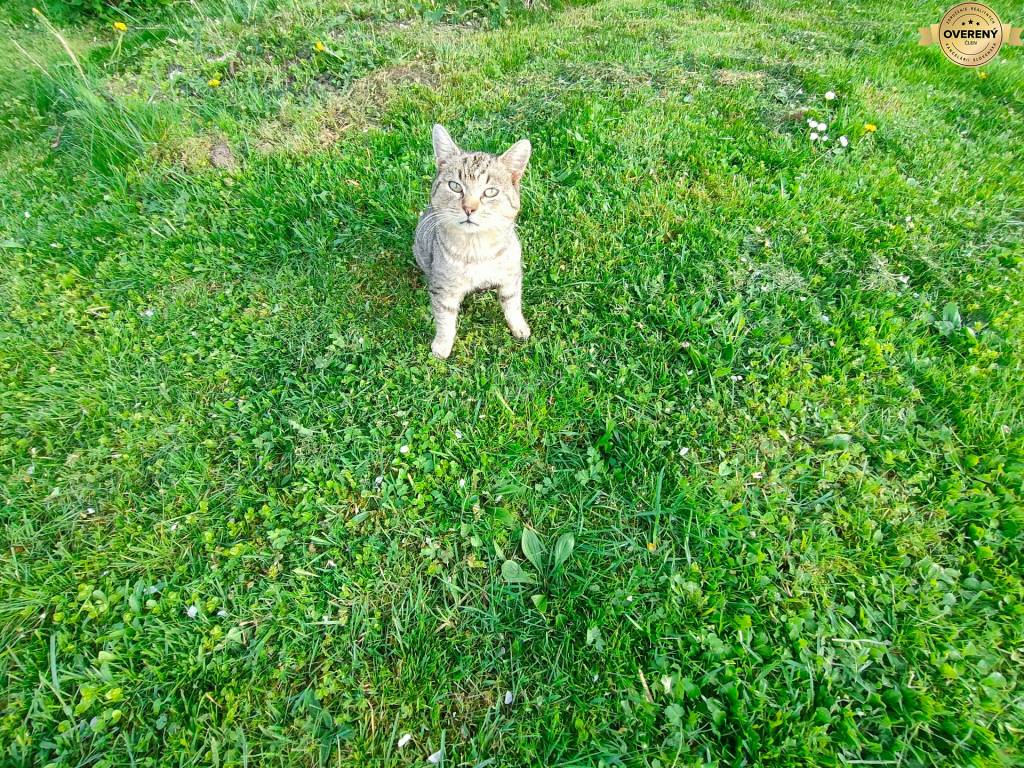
(774, 392)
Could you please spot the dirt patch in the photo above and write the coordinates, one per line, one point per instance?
(359, 106)
(194, 153)
(736, 77)
(222, 157)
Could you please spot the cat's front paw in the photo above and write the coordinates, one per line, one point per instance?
(520, 330)
(441, 349)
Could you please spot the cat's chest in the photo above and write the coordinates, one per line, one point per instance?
(479, 276)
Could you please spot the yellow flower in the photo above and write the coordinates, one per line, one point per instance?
(213, 82)
(870, 127)
(320, 46)
(982, 75)
(120, 26)
(651, 546)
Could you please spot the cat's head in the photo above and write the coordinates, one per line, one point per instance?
(475, 191)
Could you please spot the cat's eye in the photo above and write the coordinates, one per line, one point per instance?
(454, 186)
(490, 192)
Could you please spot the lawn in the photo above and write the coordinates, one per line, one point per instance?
(752, 493)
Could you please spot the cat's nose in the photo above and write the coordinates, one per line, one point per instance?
(469, 205)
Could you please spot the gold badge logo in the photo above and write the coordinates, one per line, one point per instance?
(970, 34)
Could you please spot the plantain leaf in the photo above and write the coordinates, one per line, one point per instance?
(533, 549)
(513, 573)
(563, 549)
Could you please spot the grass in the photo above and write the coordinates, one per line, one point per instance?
(774, 392)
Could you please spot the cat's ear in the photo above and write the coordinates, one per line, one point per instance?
(515, 159)
(445, 150)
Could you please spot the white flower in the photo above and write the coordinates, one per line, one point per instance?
(458, 434)
(822, 126)
(757, 475)
(378, 480)
(825, 318)
(462, 482)
(509, 698)
(148, 312)
(811, 122)
(829, 95)
(90, 510)
(843, 141)
(331, 564)
(404, 449)
(193, 611)
(814, 136)
(825, 137)
(406, 738)
(686, 345)
(222, 613)
(435, 758)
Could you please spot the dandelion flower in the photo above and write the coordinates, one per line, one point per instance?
(120, 26)
(982, 75)
(843, 141)
(870, 127)
(830, 95)
(213, 82)
(320, 47)
(651, 546)
(406, 738)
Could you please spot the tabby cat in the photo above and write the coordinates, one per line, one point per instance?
(466, 238)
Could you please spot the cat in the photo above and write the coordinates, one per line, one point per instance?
(466, 238)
